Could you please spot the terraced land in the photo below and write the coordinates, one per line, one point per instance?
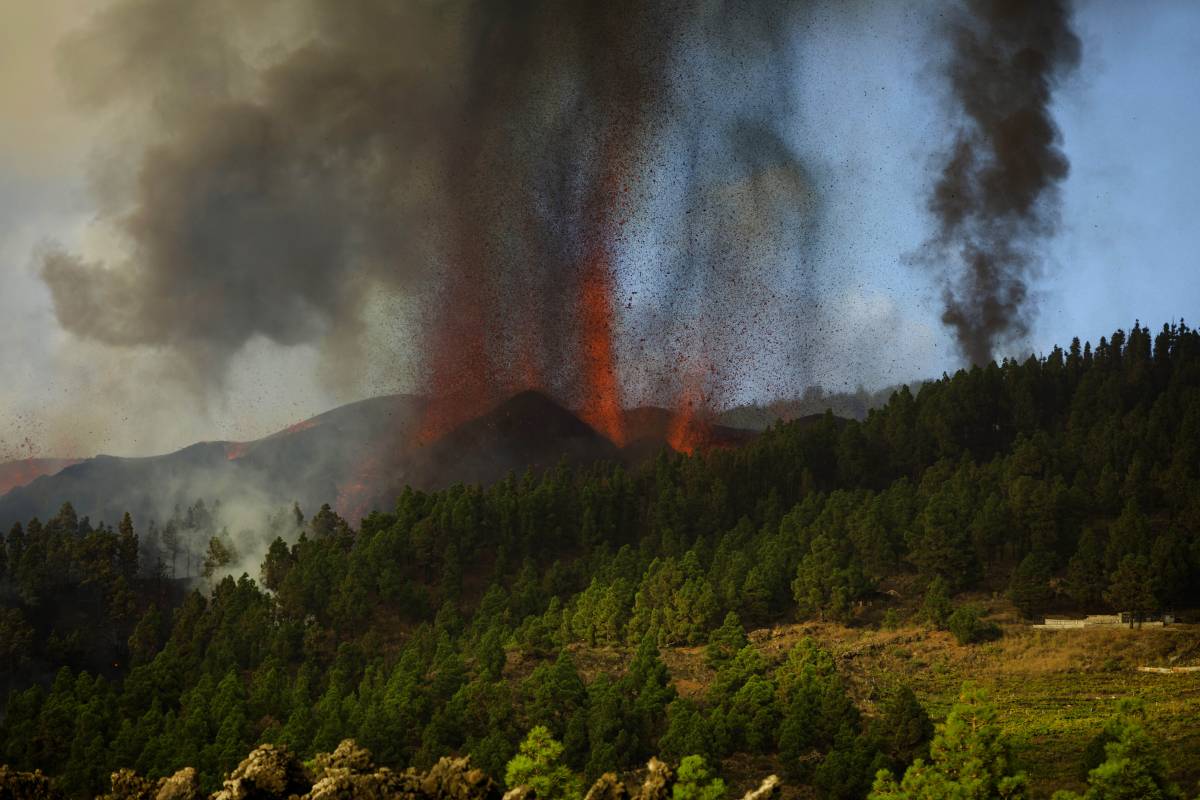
(1054, 690)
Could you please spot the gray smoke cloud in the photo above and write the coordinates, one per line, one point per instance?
(284, 162)
(997, 195)
(277, 166)
(270, 182)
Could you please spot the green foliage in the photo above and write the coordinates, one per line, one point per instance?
(1029, 589)
(687, 732)
(969, 627)
(1079, 468)
(145, 640)
(538, 765)
(16, 638)
(940, 546)
(1133, 765)
(1132, 588)
(220, 554)
(845, 773)
(818, 714)
(828, 580)
(969, 759)
(726, 641)
(903, 727)
(936, 607)
(1087, 578)
(695, 781)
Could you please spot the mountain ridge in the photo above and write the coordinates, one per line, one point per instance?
(359, 456)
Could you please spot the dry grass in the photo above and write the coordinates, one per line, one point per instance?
(1054, 690)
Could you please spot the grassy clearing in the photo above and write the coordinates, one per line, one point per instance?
(1054, 689)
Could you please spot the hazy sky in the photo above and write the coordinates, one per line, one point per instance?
(866, 123)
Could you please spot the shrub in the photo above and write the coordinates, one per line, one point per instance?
(969, 627)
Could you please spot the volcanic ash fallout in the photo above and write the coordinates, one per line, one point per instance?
(599, 200)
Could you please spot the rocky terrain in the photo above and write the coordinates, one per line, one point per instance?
(271, 772)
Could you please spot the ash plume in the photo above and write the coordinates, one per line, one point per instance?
(266, 187)
(997, 194)
(278, 164)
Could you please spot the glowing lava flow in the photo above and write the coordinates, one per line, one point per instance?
(355, 497)
(691, 425)
(602, 393)
(461, 384)
(25, 471)
(689, 429)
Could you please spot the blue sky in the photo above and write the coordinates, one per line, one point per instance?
(1130, 243)
(864, 118)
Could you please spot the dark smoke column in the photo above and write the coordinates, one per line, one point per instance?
(997, 195)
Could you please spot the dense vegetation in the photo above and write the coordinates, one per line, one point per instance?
(448, 623)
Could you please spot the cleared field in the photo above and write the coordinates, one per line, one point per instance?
(1054, 689)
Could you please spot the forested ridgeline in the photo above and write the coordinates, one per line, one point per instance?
(448, 624)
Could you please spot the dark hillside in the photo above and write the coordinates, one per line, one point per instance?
(527, 431)
(27, 470)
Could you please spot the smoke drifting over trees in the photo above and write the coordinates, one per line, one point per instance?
(281, 164)
(997, 195)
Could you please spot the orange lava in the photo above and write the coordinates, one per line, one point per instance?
(368, 480)
(690, 428)
(461, 384)
(688, 432)
(235, 450)
(302, 425)
(354, 498)
(25, 471)
(601, 390)
(492, 337)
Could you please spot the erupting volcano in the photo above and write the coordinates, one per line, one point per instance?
(527, 299)
(602, 393)
(582, 199)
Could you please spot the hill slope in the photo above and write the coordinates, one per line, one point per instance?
(27, 470)
(360, 455)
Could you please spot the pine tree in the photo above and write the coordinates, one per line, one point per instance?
(556, 693)
(219, 554)
(1133, 767)
(936, 607)
(276, 564)
(538, 765)
(695, 781)
(128, 550)
(687, 732)
(1132, 588)
(969, 760)
(1029, 589)
(941, 545)
(648, 684)
(16, 640)
(726, 641)
(144, 641)
(1086, 577)
(903, 726)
